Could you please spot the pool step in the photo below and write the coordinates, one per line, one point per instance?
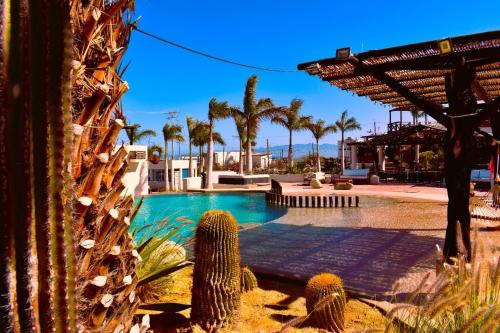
(312, 201)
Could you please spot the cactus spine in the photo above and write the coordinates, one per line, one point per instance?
(35, 219)
(248, 279)
(216, 277)
(325, 301)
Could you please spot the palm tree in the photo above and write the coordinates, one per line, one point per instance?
(240, 123)
(191, 127)
(253, 112)
(179, 138)
(151, 153)
(134, 135)
(345, 124)
(319, 130)
(202, 137)
(291, 119)
(216, 110)
(170, 132)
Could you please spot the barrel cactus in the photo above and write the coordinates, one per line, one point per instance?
(248, 279)
(325, 301)
(216, 277)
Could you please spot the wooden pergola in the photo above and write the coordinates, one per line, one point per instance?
(443, 78)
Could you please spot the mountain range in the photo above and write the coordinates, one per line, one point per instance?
(301, 149)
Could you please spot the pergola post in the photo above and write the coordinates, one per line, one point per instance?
(354, 156)
(381, 158)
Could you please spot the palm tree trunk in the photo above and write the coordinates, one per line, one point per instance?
(249, 150)
(342, 152)
(167, 184)
(173, 150)
(241, 161)
(317, 155)
(190, 158)
(210, 153)
(202, 159)
(290, 152)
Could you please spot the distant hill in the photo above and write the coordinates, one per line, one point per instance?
(302, 149)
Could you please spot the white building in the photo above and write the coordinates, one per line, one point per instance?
(136, 178)
(261, 161)
(178, 168)
(226, 158)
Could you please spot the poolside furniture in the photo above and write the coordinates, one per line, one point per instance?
(313, 175)
(481, 177)
(316, 184)
(358, 176)
(243, 179)
(374, 180)
(343, 186)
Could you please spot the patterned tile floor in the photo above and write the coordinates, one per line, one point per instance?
(383, 242)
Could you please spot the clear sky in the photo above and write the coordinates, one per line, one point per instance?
(278, 34)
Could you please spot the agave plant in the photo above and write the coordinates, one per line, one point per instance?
(163, 254)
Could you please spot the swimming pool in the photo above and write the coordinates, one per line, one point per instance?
(186, 209)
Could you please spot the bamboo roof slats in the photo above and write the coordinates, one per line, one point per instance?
(420, 68)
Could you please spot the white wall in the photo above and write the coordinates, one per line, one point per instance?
(136, 178)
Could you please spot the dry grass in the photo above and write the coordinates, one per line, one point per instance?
(264, 309)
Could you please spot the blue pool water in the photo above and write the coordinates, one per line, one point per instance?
(186, 209)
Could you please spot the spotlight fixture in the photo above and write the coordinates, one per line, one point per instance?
(343, 53)
(445, 46)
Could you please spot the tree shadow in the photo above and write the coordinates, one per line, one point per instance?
(369, 260)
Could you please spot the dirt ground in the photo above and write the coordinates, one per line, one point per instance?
(264, 309)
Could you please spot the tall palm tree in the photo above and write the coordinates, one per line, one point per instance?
(253, 112)
(216, 110)
(179, 138)
(240, 123)
(201, 138)
(170, 132)
(135, 135)
(345, 124)
(191, 127)
(291, 119)
(319, 130)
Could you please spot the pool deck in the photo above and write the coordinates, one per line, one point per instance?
(372, 249)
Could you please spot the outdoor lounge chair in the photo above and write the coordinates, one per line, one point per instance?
(358, 176)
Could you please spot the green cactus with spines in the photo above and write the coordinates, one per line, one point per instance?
(216, 277)
(326, 301)
(248, 279)
(37, 295)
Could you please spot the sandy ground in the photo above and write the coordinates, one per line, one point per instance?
(264, 309)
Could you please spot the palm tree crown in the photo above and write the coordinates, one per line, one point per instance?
(135, 135)
(291, 119)
(170, 132)
(345, 124)
(253, 112)
(216, 110)
(319, 130)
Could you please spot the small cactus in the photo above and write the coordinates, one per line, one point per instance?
(325, 301)
(216, 277)
(248, 279)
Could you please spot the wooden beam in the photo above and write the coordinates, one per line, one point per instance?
(433, 109)
(435, 62)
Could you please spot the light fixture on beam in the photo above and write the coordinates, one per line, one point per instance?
(313, 69)
(445, 46)
(343, 53)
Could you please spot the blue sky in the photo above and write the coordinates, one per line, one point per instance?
(278, 34)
